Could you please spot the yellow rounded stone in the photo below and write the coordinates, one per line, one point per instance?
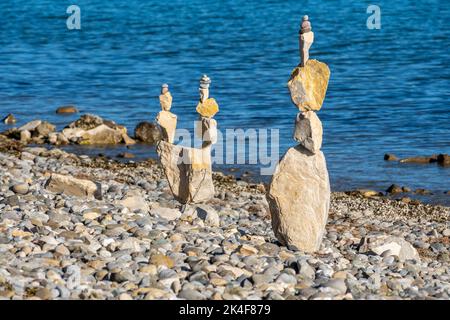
(208, 108)
(308, 85)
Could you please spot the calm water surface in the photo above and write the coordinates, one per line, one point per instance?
(388, 92)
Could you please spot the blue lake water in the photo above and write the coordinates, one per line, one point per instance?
(389, 89)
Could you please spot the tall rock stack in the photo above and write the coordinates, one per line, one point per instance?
(299, 193)
(188, 170)
(166, 119)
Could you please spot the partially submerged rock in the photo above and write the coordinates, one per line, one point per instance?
(148, 132)
(443, 159)
(299, 199)
(9, 119)
(394, 189)
(308, 85)
(421, 159)
(390, 157)
(188, 171)
(71, 186)
(66, 109)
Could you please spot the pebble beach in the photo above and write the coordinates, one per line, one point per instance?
(132, 240)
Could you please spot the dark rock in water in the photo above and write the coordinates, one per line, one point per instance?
(86, 122)
(148, 132)
(9, 119)
(126, 155)
(394, 189)
(422, 191)
(406, 189)
(427, 159)
(67, 109)
(443, 159)
(390, 157)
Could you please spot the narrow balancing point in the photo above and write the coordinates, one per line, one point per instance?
(188, 170)
(299, 193)
(166, 119)
(306, 39)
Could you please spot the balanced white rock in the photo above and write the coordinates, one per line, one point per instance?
(308, 131)
(188, 171)
(299, 199)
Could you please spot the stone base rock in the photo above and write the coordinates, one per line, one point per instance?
(308, 131)
(188, 171)
(299, 199)
(168, 123)
(308, 85)
(72, 186)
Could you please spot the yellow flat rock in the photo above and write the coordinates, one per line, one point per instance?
(208, 108)
(308, 85)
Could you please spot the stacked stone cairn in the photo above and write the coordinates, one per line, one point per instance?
(166, 119)
(299, 193)
(188, 170)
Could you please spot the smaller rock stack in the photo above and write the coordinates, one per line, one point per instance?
(166, 119)
(206, 127)
(299, 194)
(188, 170)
